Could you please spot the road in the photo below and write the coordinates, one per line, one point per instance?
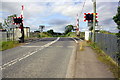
(41, 58)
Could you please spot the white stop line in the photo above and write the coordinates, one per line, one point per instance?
(4, 66)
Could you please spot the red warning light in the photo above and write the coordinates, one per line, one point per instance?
(84, 20)
(89, 16)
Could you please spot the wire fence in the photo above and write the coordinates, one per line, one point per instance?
(5, 36)
(110, 44)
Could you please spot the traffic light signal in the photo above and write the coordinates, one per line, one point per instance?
(89, 17)
(17, 20)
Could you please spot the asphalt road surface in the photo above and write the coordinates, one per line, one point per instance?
(41, 58)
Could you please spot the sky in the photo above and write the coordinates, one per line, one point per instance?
(56, 14)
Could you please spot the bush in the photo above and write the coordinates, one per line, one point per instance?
(8, 44)
(44, 34)
(71, 34)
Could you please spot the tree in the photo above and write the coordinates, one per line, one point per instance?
(51, 31)
(116, 19)
(8, 22)
(69, 28)
(1, 26)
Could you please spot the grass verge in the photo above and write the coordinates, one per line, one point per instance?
(71, 34)
(8, 44)
(82, 44)
(103, 57)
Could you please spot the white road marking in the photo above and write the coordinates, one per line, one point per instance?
(30, 46)
(71, 64)
(8, 64)
(81, 40)
(70, 46)
(75, 40)
(0, 67)
(50, 46)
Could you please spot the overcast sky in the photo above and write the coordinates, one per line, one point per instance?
(56, 14)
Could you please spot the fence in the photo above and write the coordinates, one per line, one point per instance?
(3, 36)
(110, 44)
(10, 35)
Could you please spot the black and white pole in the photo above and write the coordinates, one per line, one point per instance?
(19, 21)
(77, 24)
(21, 26)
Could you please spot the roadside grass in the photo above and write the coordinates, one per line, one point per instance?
(103, 57)
(8, 44)
(44, 34)
(82, 44)
(71, 34)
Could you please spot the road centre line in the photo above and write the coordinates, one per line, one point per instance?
(75, 40)
(8, 64)
(30, 46)
(49, 46)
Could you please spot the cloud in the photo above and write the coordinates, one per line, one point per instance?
(57, 28)
(1, 20)
(30, 9)
(59, 14)
(57, 22)
(43, 1)
(105, 13)
(67, 9)
(58, 0)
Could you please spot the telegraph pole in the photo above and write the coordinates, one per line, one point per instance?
(94, 20)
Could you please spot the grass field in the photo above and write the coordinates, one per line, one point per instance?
(8, 44)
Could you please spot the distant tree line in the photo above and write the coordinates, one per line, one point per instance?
(1, 26)
(53, 33)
